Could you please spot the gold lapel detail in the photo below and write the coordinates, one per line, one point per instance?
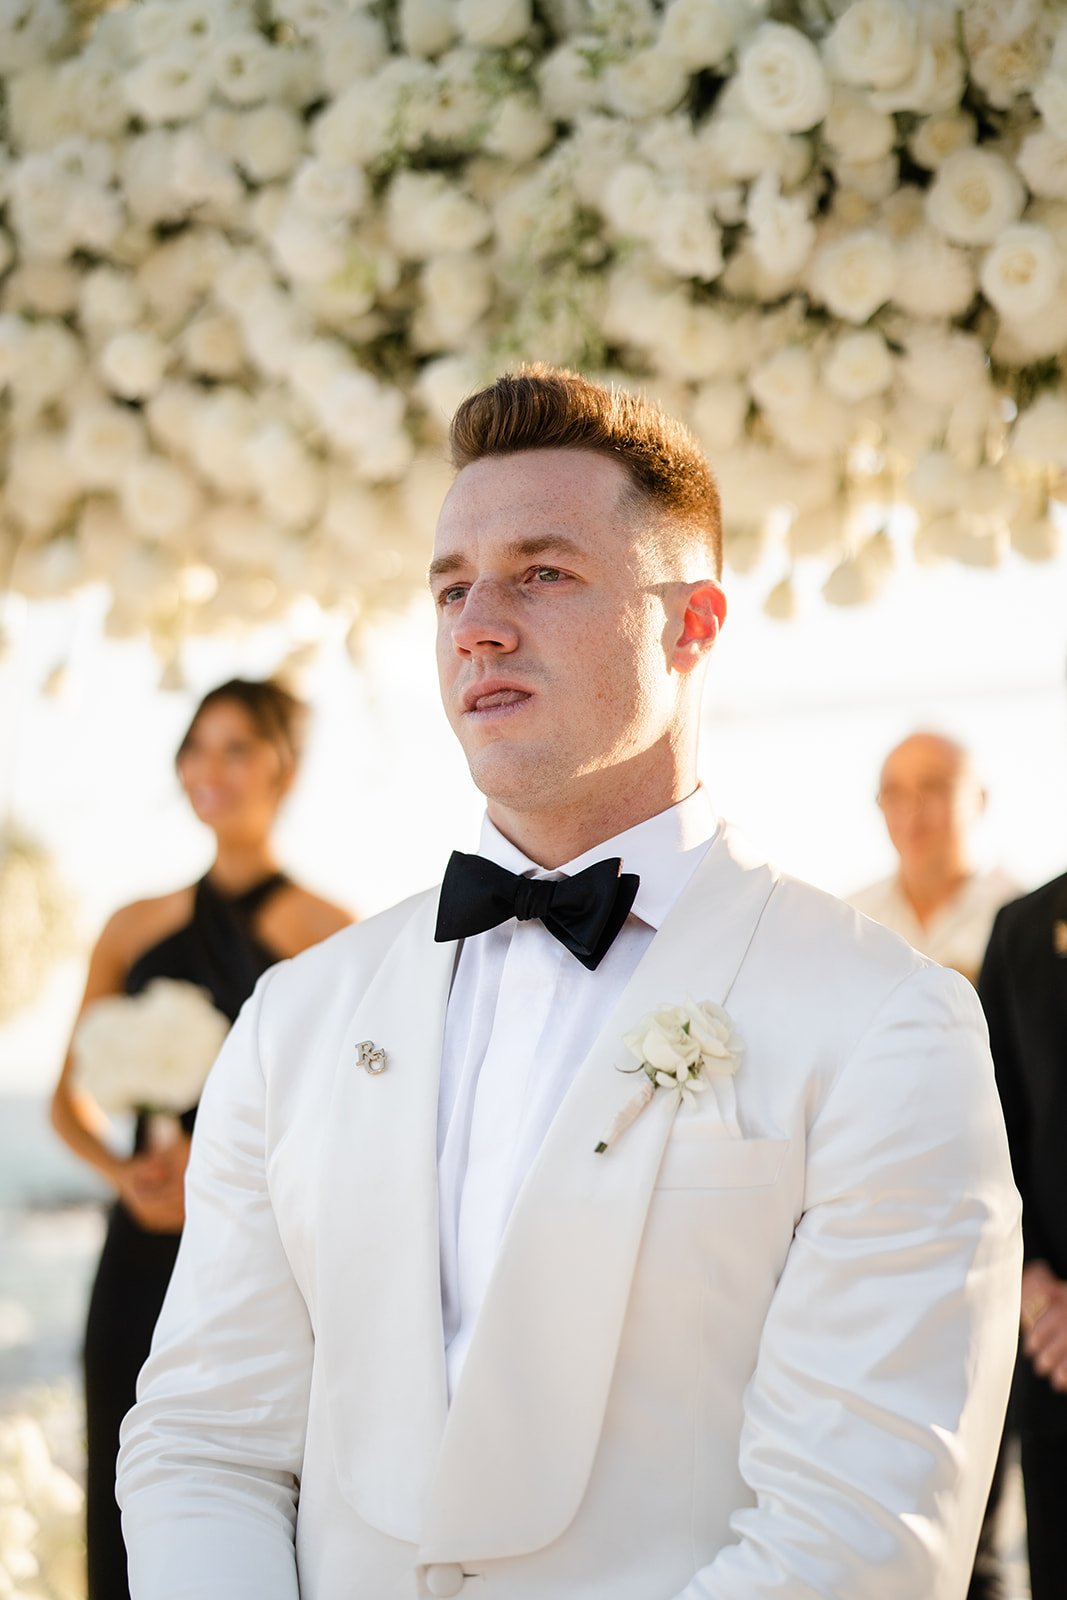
(526, 1418)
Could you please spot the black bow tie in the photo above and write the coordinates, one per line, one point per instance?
(584, 912)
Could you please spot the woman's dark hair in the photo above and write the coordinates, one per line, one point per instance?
(277, 716)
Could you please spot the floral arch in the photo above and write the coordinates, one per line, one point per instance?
(253, 251)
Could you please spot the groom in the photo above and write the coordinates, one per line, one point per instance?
(425, 1337)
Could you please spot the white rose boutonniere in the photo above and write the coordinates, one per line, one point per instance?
(680, 1048)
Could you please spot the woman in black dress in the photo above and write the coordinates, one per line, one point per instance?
(236, 763)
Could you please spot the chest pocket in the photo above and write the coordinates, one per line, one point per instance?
(706, 1162)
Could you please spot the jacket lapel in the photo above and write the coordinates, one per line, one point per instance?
(379, 1334)
(526, 1418)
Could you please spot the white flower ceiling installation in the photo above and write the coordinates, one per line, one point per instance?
(254, 253)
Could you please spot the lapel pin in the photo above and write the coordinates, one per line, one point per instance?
(1059, 938)
(371, 1056)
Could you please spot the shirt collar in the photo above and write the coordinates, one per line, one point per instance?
(664, 851)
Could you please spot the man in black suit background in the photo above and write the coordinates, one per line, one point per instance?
(1023, 988)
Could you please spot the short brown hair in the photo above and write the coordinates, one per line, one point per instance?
(277, 716)
(548, 408)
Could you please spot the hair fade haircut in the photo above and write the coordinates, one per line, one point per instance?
(277, 716)
(548, 408)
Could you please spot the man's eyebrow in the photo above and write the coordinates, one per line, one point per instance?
(535, 545)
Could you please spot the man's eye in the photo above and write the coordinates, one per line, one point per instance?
(548, 574)
(453, 593)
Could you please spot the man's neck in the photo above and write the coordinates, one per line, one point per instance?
(928, 888)
(553, 837)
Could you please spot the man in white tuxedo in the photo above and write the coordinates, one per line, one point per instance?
(426, 1336)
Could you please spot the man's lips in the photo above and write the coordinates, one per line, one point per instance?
(494, 696)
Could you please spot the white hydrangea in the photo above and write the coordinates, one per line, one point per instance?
(975, 196)
(781, 79)
(859, 365)
(854, 275)
(1022, 270)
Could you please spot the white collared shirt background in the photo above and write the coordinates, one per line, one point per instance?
(958, 932)
(522, 1015)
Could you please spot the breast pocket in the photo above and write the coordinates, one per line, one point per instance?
(706, 1162)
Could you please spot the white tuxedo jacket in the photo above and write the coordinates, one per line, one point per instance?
(706, 1365)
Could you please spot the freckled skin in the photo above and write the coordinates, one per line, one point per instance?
(550, 581)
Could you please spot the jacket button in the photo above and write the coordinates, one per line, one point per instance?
(444, 1578)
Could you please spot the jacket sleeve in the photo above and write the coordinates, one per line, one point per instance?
(995, 992)
(209, 1467)
(873, 1417)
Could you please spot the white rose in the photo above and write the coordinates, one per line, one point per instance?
(46, 288)
(220, 427)
(427, 216)
(934, 278)
(92, 83)
(873, 42)
(664, 1041)
(172, 86)
(701, 33)
(40, 487)
(1020, 341)
(307, 249)
(7, 250)
(458, 290)
(329, 193)
(95, 217)
(458, 106)
(290, 483)
(738, 148)
(199, 173)
(854, 275)
(782, 80)
(38, 114)
(427, 26)
(102, 442)
(1040, 434)
(212, 346)
(858, 366)
(783, 382)
(939, 365)
(30, 31)
(158, 498)
(569, 83)
(631, 200)
(939, 136)
(686, 239)
(13, 331)
(975, 195)
(647, 84)
(50, 361)
(147, 165)
(1050, 98)
(1022, 271)
(817, 533)
(854, 129)
(718, 414)
(494, 24)
(270, 142)
(937, 484)
(243, 279)
(939, 77)
(519, 129)
(1042, 160)
(874, 180)
(246, 68)
(171, 415)
(1006, 49)
(861, 578)
(782, 233)
(40, 196)
(351, 51)
(442, 384)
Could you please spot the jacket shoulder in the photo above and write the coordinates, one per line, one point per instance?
(1038, 908)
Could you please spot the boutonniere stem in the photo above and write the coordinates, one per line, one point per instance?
(680, 1049)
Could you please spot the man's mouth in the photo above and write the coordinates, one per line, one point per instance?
(502, 697)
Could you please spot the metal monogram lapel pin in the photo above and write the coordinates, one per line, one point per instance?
(371, 1056)
(1059, 938)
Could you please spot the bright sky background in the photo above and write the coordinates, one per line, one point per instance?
(797, 718)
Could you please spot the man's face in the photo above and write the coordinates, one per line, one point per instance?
(929, 798)
(552, 648)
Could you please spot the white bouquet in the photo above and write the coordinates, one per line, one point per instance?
(151, 1051)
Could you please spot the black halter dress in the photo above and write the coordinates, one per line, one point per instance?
(218, 951)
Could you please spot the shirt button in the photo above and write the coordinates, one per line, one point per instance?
(444, 1578)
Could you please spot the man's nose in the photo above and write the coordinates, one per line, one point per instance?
(484, 624)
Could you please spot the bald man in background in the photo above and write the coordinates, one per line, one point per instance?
(931, 799)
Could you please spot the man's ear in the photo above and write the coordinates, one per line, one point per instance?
(702, 617)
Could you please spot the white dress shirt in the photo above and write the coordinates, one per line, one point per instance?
(958, 932)
(522, 1016)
